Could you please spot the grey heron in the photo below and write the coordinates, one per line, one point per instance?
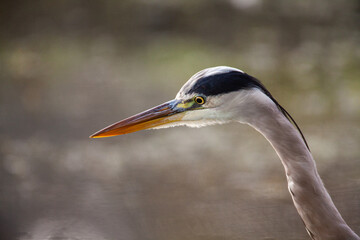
(223, 94)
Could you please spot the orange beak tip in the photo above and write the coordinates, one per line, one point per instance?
(102, 135)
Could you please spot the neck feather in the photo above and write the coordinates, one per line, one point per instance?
(313, 203)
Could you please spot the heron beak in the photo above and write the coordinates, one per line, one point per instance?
(165, 113)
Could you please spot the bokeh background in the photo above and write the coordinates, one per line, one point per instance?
(69, 68)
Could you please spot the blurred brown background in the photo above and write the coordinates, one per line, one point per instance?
(69, 68)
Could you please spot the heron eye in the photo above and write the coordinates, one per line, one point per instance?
(199, 100)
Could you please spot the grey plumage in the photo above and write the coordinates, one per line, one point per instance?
(230, 95)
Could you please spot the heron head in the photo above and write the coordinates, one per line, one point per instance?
(212, 96)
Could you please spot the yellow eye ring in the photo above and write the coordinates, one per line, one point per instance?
(199, 100)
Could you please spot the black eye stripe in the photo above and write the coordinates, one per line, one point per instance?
(224, 83)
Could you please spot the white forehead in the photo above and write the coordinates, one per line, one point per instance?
(214, 71)
(204, 73)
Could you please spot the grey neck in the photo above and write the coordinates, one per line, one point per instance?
(321, 218)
